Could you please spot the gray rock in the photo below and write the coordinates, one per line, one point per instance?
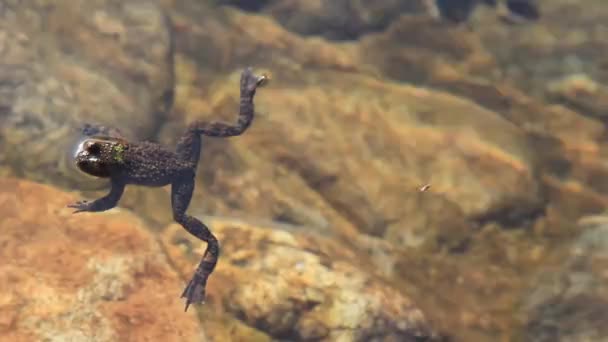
(69, 62)
(571, 303)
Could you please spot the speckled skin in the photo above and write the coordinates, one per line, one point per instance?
(107, 153)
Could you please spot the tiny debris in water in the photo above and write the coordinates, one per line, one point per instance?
(425, 187)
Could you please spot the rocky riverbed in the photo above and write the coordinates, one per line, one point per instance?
(325, 232)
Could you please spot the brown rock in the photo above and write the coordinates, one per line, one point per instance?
(567, 148)
(339, 19)
(420, 50)
(560, 44)
(583, 93)
(386, 141)
(96, 277)
(329, 149)
(233, 39)
(298, 286)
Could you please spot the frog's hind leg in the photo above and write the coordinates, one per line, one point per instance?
(189, 146)
(181, 194)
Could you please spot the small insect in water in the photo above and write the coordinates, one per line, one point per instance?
(424, 188)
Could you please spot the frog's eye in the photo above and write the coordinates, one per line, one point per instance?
(92, 147)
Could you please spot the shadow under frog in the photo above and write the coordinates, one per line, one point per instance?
(106, 153)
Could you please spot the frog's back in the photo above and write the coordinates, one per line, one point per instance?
(150, 164)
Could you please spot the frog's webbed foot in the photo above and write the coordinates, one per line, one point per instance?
(90, 130)
(250, 81)
(195, 291)
(104, 203)
(81, 206)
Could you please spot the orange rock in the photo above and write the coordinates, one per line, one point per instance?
(83, 277)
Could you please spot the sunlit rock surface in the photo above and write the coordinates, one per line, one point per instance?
(83, 277)
(299, 286)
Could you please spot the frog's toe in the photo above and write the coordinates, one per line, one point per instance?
(194, 292)
(250, 81)
(80, 206)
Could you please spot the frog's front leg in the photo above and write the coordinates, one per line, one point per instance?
(104, 203)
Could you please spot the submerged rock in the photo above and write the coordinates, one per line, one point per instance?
(348, 20)
(333, 19)
(570, 301)
(386, 141)
(346, 135)
(512, 10)
(583, 93)
(299, 286)
(83, 277)
(69, 62)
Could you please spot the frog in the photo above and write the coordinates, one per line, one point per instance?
(105, 152)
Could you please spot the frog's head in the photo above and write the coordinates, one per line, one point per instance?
(99, 156)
